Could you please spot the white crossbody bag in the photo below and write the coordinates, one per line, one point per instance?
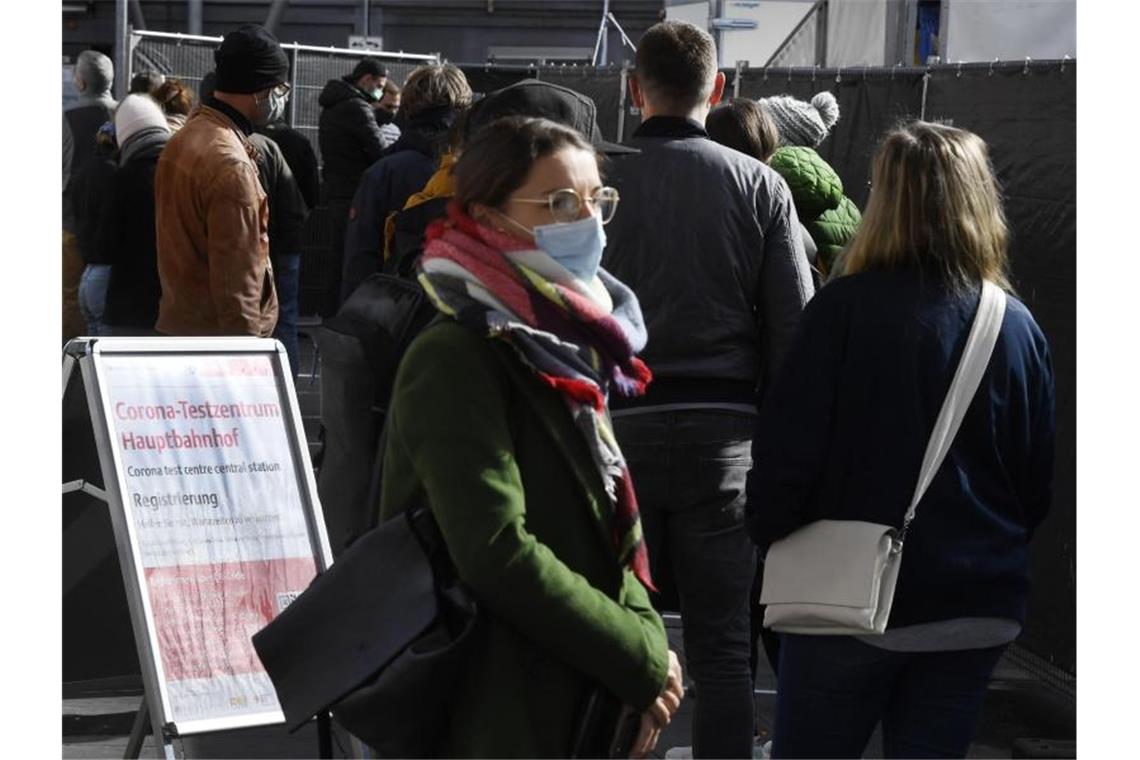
(838, 576)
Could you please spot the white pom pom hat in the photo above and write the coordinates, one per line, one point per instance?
(800, 123)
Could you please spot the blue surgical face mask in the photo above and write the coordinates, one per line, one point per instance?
(577, 246)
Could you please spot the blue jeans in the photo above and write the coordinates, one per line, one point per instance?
(287, 280)
(93, 296)
(689, 469)
(834, 690)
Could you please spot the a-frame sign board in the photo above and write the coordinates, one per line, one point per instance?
(215, 513)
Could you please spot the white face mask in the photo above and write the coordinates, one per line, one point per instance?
(378, 93)
(576, 245)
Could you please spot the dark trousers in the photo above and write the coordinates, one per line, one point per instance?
(333, 266)
(689, 469)
(834, 690)
(287, 279)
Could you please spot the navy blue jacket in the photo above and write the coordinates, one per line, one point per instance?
(385, 187)
(843, 431)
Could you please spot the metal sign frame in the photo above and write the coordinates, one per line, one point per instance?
(90, 353)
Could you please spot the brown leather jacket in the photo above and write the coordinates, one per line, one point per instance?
(212, 221)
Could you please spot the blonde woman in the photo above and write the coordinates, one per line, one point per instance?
(842, 436)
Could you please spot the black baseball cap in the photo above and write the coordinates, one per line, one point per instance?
(531, 97)
(368, 67)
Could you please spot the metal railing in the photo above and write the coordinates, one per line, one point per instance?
(190, 57)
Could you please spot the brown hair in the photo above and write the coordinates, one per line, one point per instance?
(676, 65)
(934, 201)
(174, 97)
(432, 86)
(497, 159)
(741, 124)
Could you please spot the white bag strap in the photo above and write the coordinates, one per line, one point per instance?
(971, 367)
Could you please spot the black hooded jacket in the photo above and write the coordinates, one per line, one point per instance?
(349, 137)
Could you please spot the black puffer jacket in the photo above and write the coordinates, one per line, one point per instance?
(349, 137)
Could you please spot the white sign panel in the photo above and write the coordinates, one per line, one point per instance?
(360, 42)
(211, 489)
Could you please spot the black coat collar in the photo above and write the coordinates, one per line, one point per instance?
(670, 126)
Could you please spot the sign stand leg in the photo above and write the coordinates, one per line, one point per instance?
(324, 736)
(138, 732)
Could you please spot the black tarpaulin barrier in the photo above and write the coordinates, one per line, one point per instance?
(871, 101)
(1027, 115)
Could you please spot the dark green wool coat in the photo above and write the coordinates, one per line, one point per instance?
(511, 482)
(831, 218)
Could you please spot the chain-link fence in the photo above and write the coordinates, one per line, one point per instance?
(189, 58)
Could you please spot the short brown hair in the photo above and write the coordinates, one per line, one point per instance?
(741, 124)
(934, 202)
(676, 65)
(432, 86)
(174, 97)
(498, 158)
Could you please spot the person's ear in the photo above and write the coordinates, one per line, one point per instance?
(635, 92)
(718, 89)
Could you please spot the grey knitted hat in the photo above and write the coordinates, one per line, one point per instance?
(96, 70)
(799, 123)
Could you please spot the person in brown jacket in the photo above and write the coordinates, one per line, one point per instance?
(212, 216)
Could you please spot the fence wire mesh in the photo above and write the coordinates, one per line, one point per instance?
(190, 59)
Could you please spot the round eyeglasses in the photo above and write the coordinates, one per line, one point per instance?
(566, 205)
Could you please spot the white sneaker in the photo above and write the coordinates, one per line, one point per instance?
(679, 753)
(762, 751)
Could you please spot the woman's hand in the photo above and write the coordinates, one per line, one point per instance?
(661, 711)
(647, 735)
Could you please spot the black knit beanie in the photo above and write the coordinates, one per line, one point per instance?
(250, 60)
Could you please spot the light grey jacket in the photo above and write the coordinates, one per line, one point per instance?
(709, 241)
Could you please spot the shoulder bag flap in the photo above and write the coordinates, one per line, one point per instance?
(352, 620)
(803, 565)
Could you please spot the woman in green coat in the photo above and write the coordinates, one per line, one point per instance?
(499, 424)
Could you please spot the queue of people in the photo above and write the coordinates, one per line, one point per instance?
(633, 388)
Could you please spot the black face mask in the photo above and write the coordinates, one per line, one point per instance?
(383, 115)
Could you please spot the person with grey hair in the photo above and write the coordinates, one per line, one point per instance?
(94, 74)
(708, 239)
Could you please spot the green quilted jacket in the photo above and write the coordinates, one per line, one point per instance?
(830, 217)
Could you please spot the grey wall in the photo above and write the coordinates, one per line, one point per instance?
(462, 30)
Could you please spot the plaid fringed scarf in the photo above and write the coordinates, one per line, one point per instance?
(578, 338)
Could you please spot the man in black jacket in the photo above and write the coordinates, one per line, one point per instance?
(350, 140)
(708, 239)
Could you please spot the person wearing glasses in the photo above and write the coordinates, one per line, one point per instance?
(211, 213)
(498, 423)
(710, 242)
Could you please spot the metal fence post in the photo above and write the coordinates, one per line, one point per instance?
(293, 90)
(122, 66)
(821, 34)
